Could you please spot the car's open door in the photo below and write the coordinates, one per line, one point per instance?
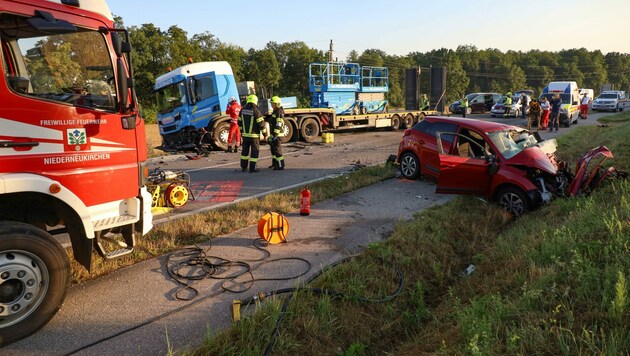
(466, 169)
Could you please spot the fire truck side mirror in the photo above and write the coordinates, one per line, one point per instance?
(123, 87)
(117, 44)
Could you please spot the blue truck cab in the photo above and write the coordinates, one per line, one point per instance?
(191, 99)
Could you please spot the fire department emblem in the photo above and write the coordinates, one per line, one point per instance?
(76, 137)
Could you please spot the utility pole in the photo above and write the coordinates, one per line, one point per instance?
(330, 52)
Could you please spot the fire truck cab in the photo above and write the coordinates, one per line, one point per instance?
(72, 152)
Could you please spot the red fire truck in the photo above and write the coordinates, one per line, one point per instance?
(72, 152)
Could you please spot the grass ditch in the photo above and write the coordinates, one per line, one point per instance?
(201, 227)
(554, 281)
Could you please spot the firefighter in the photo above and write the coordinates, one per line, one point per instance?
(276, 125)
(252, 126)
(234, 110)
(508, 104)
(464, 105)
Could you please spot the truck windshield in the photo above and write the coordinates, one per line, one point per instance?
(171, 97)
(608, 96)
(511, 142)
(73, 68)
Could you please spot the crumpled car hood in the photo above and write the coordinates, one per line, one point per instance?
(538, 157)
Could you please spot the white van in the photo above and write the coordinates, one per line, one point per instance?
(589, 92)
(570, 95)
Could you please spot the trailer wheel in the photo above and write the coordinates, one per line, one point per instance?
(288, 132)
(34, 275)
(220, 135)
(395, 124)
(420, 117)
(309, 130)
(408, 121)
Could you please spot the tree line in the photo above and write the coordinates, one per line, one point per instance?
(282, 68)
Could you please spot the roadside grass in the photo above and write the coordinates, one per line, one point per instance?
(204, 226)
(554, 281)
(153, 140)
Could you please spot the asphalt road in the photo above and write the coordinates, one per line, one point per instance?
(217, 180)
(134, 310)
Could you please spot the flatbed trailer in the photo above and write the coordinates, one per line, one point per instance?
(308, 123)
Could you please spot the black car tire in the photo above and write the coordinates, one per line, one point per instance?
(513, 200)
(409, 166)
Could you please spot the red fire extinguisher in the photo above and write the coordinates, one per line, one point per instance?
(305, 202)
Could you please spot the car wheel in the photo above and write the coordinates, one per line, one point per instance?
(513, 200)
(409, 166)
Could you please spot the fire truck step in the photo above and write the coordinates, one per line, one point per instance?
(117, 253)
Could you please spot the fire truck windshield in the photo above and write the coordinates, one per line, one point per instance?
(74, 68)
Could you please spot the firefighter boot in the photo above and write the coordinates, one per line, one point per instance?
(279, 165)
(252, 167)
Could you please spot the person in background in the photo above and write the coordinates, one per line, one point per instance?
(424, 102)
(463, 104)
(524, 104)
(234, 110)
(584, 106)
(545, 106)
(556, 103)
(508, 104)
(534, 114)
(276, 126)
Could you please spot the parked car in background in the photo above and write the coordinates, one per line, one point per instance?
(528, 92)
(608, 101)
(498, 109)
(477, 103)
(503, 163)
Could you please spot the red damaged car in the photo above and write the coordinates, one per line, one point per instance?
(503, 163)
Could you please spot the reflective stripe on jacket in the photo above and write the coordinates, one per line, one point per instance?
(276, 122)
(252, 121)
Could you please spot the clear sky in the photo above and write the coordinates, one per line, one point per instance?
(395, 26)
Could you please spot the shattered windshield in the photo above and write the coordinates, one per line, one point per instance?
(171, 97)
(511, 142)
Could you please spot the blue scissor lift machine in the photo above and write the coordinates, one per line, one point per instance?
(348, 88)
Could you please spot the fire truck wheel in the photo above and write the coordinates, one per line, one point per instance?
(220, 135)
(309, 130)
(34, 275)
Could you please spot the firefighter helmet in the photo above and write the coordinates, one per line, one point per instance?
(276, 100)
(252, 99)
